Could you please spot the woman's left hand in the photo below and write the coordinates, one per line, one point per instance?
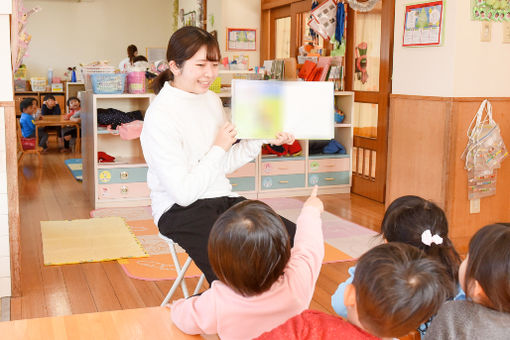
(283, 138)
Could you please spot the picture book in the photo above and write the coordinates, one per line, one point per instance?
(261, 109)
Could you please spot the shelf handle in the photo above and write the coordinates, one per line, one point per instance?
(234, 184)
(329, 178)
(284, 182)
(124, 175)
(124, 189)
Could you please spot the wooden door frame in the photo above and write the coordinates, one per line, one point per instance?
(381, 97)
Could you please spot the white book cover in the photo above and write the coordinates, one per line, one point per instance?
(262, 108)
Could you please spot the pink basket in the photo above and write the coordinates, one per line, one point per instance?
(136, 82)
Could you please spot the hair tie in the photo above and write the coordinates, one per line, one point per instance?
(428, 239)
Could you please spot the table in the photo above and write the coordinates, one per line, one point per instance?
(141, 323)
(57, 121)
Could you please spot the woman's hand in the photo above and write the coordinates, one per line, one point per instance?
(314, 201)
(283, 138)
(226, 136)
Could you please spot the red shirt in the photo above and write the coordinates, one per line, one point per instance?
(314, 325)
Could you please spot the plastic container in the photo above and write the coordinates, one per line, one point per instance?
(136, 82)
(216, 85)
(50, 76)
(108, 83)
(38, 84)
(88, 70)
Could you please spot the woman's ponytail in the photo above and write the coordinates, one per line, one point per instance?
(160, 80)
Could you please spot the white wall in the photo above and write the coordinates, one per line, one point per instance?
(66, 33)
(462, 67)
(235, 14)
(5, 95)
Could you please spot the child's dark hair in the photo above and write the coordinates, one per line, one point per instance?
(489, 264)
(49, 96)
(183, 45)
(408, 217)
(131, 50)
(139, 58)
(26, 103)
(73, 98)
(398, 287)
(249, 247)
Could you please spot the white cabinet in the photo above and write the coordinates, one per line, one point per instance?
(124, 181)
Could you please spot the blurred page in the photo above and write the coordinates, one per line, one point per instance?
(262, 108)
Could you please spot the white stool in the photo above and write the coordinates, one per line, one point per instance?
(180, 273)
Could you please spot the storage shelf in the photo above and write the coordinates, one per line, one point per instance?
(123, 162)
(328, 155)
(343, 125)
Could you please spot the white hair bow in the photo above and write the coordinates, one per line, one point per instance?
(428, 239)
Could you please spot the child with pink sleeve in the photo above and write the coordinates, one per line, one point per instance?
(262, 281)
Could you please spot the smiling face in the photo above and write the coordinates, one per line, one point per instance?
(196, 74)
(74, 104)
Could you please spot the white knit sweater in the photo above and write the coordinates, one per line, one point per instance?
(177, 140)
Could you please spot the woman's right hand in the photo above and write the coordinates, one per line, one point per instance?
(226, 136)
(314, 201)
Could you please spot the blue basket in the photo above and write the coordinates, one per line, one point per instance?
(108, 83)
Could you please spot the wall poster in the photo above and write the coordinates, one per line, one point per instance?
(423, 24)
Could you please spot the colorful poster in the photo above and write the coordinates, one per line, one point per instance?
(423, 23)
(241, 39)
(261, 108)
(490, 10)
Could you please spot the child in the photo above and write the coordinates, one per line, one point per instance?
(422, 224)
(28, 107)
(261, 282)
(50, 106)
(187, 143)
(74, 105)
(485, 277)
(396, 288)
(132, 52)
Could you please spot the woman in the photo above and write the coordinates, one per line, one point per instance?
(132, 52)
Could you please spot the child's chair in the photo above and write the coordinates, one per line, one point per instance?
(180, 273)
(26, 145)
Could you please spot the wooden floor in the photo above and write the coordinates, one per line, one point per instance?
(49, 192)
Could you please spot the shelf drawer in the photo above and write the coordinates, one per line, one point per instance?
(328, 165)
(242, 183)
(121, 175)
(283, 181)
(246, 170)
(284, 167)
(328, 178)
(123, 190)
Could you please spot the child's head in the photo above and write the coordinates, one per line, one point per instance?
(193, 56)
(50, 101)
(249, 247)
(396, 288)
(27, 105)
(485, 273)
(73, 103)
(139, 58)
(421, 223)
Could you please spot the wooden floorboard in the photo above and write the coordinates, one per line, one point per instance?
(49, 192)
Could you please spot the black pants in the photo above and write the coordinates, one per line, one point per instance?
(190, 227)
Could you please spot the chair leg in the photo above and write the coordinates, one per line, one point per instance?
(178, 269)
(199, 284)
(178, 280)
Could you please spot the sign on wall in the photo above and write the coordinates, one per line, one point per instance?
(490, 10)
(423, 24)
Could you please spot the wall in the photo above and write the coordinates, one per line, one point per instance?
(462, 67)
(436, 92)
(235, 14)
(66, 33)
(5, 96)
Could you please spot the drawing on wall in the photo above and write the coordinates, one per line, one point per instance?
(490, 10)
(423, 23)
(241, 39)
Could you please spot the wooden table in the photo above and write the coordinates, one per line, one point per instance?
(142, 323)
(57, 121)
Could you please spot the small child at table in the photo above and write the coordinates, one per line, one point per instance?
(68, 132)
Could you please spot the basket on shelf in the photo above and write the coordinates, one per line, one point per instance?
(108, 83)
(136, 82)
(87, 71)
(216, 85)
(38, 84)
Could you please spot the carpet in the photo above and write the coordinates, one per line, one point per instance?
(88, 240)
(344, 240)
(75, 166)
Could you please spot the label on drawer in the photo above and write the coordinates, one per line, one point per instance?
(120, 190)
(105, 176)
(286, 167)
